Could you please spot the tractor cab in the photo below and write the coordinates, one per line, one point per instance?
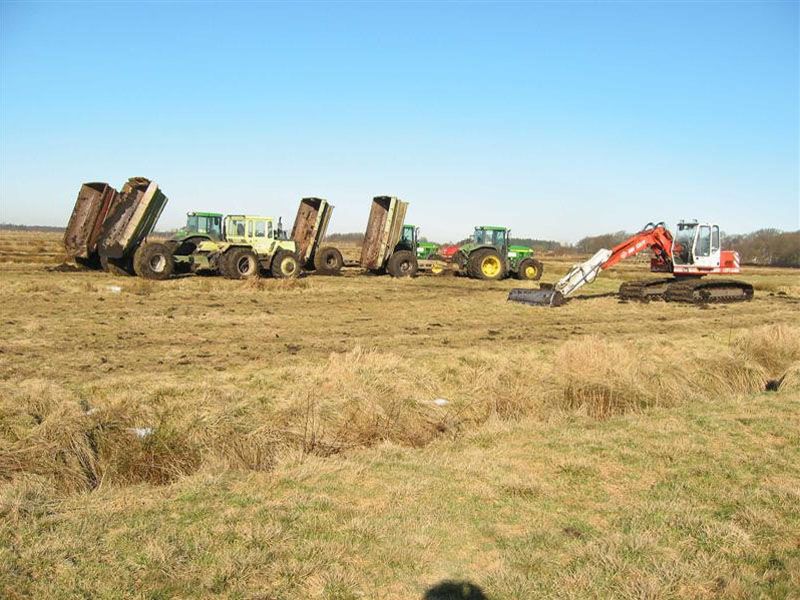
(486, 235)
(201, 224)
(408, 239)
(696, 244)
(259, 232)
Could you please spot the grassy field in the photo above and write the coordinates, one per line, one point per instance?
(364, 437)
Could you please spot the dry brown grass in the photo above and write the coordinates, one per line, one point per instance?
(292, 425)
(773, 347)
(353, 399)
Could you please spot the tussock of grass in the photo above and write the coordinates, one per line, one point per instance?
(602, 378)
(359, 398)
(791, 379)
(48, 432)
(774, 347)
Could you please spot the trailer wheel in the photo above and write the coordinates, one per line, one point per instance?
(328, 261)
(285, 265)
(240, 263)
(402, 263)
(118, 267)
(530, 269)
(485, 264)
(154, 260)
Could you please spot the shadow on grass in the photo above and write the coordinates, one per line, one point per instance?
(455, 590)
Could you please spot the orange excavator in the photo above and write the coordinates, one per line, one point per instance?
(690, 255)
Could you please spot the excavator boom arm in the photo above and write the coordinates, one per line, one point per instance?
(654, 236)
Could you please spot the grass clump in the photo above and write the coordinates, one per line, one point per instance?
(773, 347)
(602, 378)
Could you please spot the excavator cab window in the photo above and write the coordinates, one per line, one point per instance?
(715, 239)
(703, 246)
(684, 243)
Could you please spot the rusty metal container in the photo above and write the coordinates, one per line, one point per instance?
(384, 228)
(93, 204)
(132, 219)
(310, 227)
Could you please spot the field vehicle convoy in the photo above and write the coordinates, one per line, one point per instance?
(692, 254)
(109, 230)
(490, 255)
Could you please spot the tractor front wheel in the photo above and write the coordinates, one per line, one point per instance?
(154, 260)
(328, 261)
(240, 263)
(285, 265)
(485, 264)
(402, 263)
(530, 269)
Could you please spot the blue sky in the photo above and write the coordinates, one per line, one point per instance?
(557, 119)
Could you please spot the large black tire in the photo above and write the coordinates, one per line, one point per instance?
(485, 264)
(328, 261)
(116, 266)
(402, 263)
(189, 245)
(154, 260)
(240, 263)
(529, 269)
(285, 265)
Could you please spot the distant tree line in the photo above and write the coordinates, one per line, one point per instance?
(767, 247)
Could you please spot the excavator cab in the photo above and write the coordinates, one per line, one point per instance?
(696, 244)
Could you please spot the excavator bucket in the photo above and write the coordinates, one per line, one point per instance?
(544, 296)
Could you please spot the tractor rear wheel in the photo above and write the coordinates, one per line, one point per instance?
(328, 261)
(530, 269)
(402, 263)
(240, 263)
(285, 265)
(154, 260)
(485, 264)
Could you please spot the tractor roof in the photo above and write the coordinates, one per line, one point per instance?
(491, 227)
(408, 225)
(251, 217)
(203, 214)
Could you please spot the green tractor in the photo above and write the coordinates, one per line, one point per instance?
(242, 248)
(160, 260)
(410, 241)
(489, 255)
(200, 227)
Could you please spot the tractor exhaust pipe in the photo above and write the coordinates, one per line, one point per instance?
(544, 296)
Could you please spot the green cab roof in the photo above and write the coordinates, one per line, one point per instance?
(491, 227)
(203, 214)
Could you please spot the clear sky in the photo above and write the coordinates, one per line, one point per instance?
(557, 119)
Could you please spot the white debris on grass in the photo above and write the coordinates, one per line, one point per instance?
(114, 289)
(441, 402)
(141, 432)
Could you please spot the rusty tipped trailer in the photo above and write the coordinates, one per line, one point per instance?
(381, 251)
(95, 200)
(129, 222)
(308, 232)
